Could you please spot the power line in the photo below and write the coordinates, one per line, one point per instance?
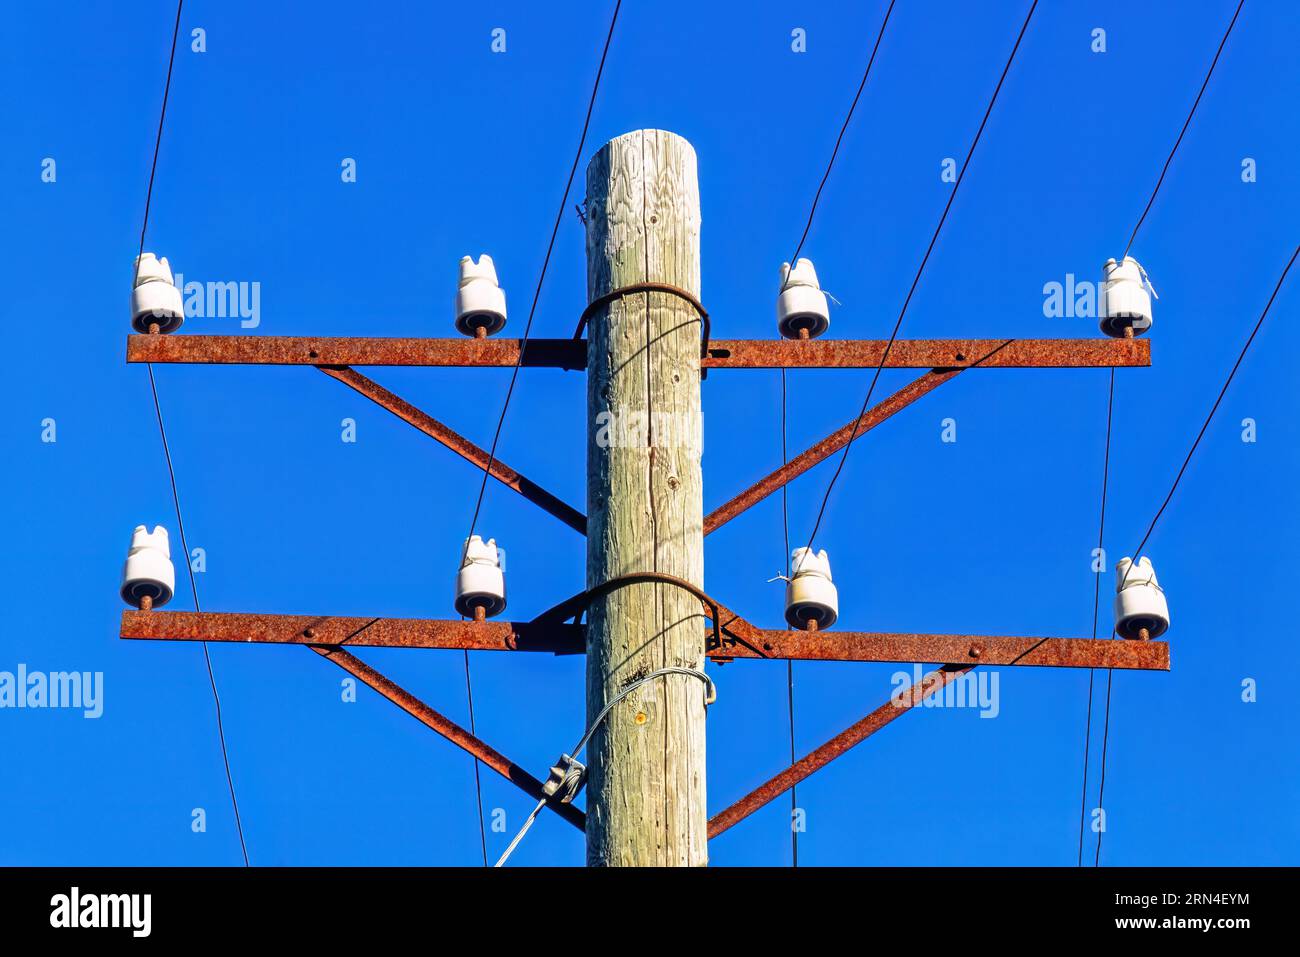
(564, 200)
(839, 139)
(1183, 131)
(478, 781)
(207, 658)
(1137, 552)
(162, 432)
(925, 259)
(1096, 606)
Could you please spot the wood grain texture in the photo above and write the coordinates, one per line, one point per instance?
(646, 785)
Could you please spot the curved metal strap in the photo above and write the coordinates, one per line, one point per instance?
(575, 606)
(601, 301)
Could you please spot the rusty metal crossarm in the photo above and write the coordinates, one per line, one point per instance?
(459, 444)
(572, 353)
(744, 640)
(327, 630)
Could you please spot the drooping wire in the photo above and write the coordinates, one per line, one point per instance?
(514, 374)
(884, 357)
(1186, 124)
(167, 455)
(839, 139)
(1137, 552)
(1096, 607)
(546, 261)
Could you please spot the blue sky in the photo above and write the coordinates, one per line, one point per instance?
(460, 150)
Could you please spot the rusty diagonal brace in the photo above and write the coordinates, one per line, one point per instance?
(459, 444)
(832, 749)
(825, 448)
(575, 519)
(815, 760)
(449, 730)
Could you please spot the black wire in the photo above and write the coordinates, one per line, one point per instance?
(478, 783)
(207, 658)
(1101, 791)
(1215, 408)
(1137, 552)
(843, 129)
(564, 200)
(1183, 131)
(162, 431)
(926, 258)
(1096, 606)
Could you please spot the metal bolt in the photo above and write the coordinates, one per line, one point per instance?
(309, 633)
(480, 613)
(146, 602)
(803, 332)
(810, 625)
(154, 329)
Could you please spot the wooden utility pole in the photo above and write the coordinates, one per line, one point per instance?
(645, 792)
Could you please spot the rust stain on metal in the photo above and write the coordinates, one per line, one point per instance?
(356, 351)
(825, 448)
(450, 730)
(560, 639)
(459, 444)
(572, 353)
(952, 649)
(926, 353)
(832, 749)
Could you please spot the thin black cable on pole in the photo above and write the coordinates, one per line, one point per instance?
(1137, 552)
(167, 455)
(1186, 124)
(514, 374)
(866, 403)
(1096, 606)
